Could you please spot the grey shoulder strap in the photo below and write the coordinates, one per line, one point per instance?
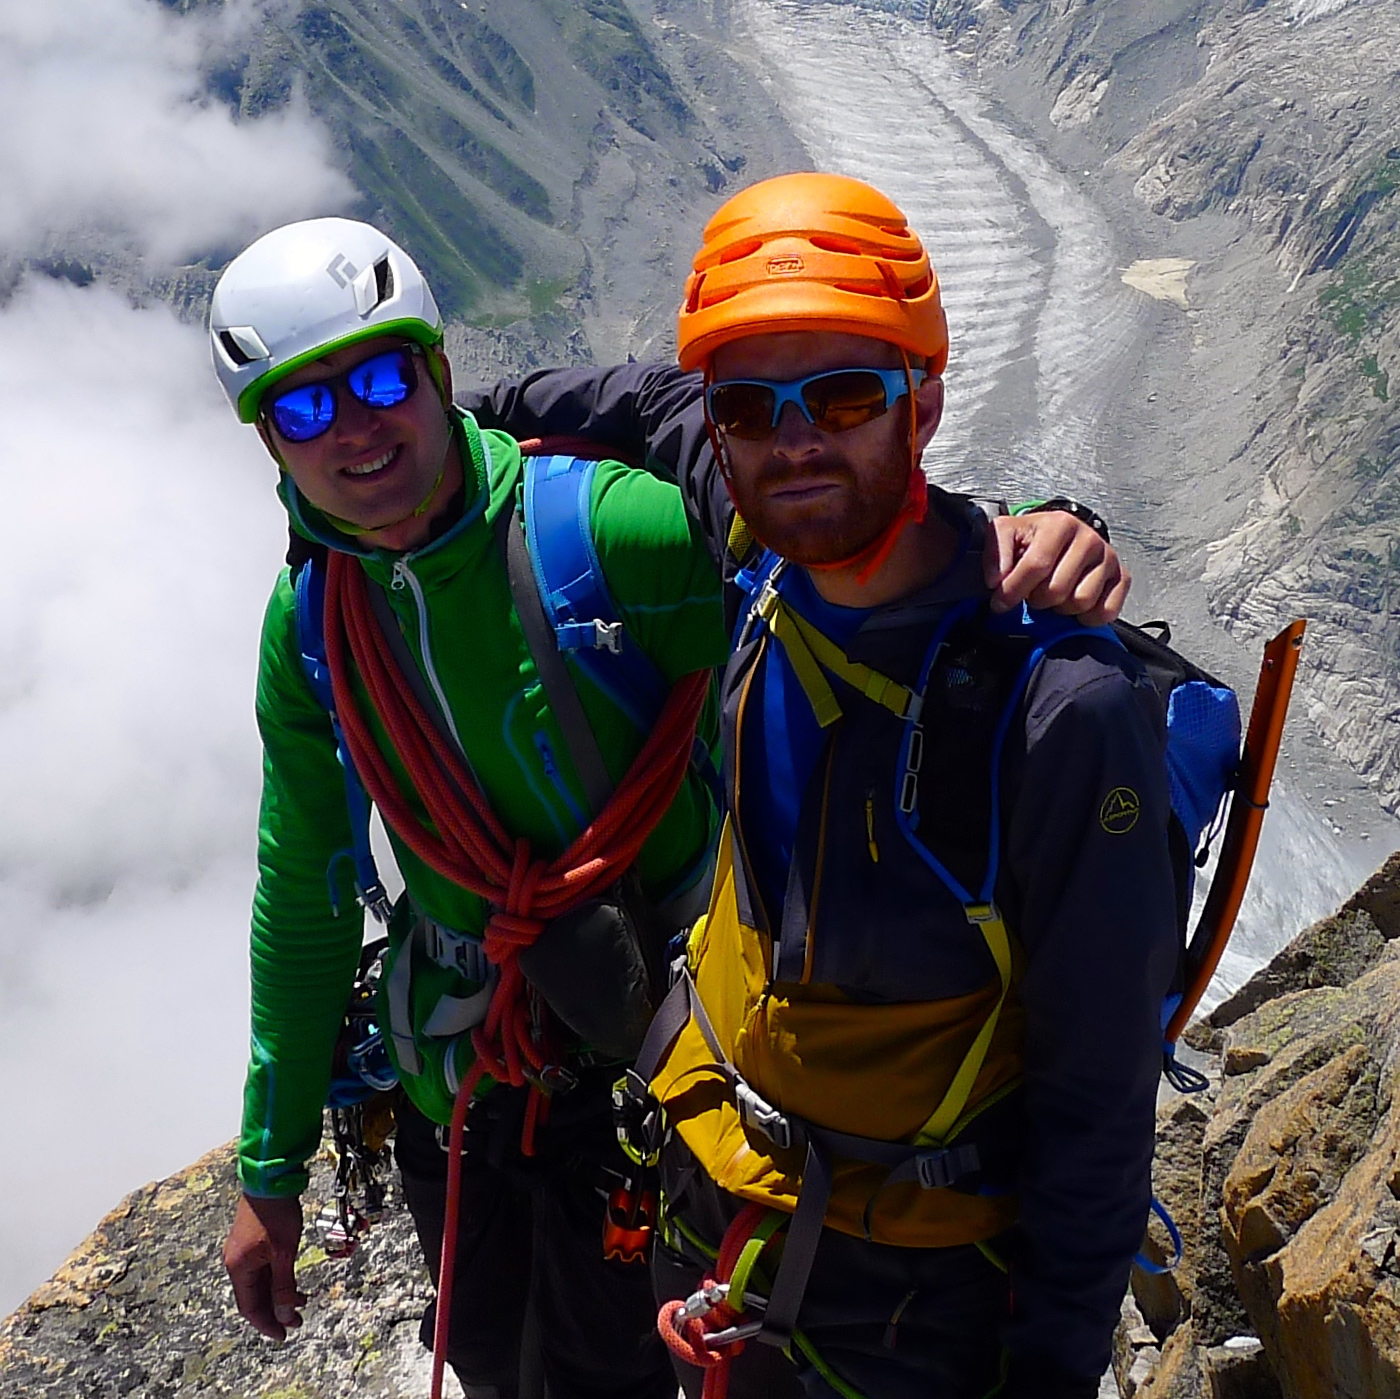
(554, 675)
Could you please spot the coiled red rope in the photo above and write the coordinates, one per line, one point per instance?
(468, 845)
(687, 1337)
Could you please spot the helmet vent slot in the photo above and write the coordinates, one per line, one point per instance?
(383, 279)
(830, 243)
(735, 252)
(234, 350)
(243, 345)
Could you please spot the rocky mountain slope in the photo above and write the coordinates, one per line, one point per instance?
(543, 159)
(142, 1308)
(1283, 1176)
(1253, 147)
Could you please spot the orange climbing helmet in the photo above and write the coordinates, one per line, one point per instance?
(812, 252)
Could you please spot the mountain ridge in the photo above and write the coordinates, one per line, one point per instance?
(1255, 143)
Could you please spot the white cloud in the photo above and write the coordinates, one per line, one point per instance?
(143, 534)
(142, 537)
(108, 132)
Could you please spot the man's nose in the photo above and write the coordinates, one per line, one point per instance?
(354, 420)
(794, 435)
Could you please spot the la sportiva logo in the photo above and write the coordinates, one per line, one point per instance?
(1120, 811)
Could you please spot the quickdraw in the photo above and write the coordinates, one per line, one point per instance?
(707, 1329)
(360, 1133)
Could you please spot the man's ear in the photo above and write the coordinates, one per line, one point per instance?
(442, 374)
(928, 398)
(266, 434)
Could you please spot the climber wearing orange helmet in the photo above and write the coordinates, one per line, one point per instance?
(805, 255)
(916, 1038)
(919, 1024)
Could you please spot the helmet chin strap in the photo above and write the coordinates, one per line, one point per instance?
(345, 526)
(913, 509)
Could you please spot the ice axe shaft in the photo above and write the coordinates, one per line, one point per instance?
(1247, 807)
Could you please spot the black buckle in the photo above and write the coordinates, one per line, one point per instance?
(937, 1170)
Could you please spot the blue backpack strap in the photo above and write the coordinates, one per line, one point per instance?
(586, 622)
(311, 641)
(1044, 630)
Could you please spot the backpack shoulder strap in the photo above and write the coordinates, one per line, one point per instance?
(309, 615)
(559, 688)
(573, 592)
(310, 588)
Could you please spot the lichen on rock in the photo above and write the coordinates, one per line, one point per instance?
(142, 1308)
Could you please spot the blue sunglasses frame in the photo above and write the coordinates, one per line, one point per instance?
(894, 381)
(308, 411)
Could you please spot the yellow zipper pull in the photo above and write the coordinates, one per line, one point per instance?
(870, 828)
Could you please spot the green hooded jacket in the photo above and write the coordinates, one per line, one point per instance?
(452, 599)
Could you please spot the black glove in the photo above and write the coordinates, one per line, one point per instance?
(590, 967)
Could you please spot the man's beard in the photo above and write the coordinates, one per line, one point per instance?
(835, 527)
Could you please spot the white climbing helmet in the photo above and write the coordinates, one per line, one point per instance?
(307, 289)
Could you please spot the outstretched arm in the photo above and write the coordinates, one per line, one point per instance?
(652, 413)
(1054, 561)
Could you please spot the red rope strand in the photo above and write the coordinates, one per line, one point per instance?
(465, 842)
(688, 1337)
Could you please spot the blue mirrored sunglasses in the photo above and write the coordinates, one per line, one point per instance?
(307, 411)
(834, 401)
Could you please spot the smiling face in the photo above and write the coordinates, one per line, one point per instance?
(375, 467)
(812, 496)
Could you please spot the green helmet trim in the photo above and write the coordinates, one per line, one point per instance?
(410, 327)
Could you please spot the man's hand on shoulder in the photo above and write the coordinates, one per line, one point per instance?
(260, 1256)
(1051, 560)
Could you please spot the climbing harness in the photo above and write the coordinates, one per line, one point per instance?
(1203, 754)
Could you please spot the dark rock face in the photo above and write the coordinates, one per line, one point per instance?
(1333, 952)
(142, 1308)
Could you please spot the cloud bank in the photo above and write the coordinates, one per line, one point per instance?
(118, 137)
(142, 539)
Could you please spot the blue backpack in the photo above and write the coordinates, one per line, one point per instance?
(1202, 718)
(580, 612)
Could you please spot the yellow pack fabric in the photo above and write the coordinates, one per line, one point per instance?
(875, 1071)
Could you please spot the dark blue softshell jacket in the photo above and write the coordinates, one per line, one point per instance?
(1092, 906)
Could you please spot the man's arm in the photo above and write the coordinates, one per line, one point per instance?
(1097, 918)
(260, 1257)
(303, 962)
(1054, 561)
(646, 413)
(652, 413)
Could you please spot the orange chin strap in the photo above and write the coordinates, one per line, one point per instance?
(912, 510)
